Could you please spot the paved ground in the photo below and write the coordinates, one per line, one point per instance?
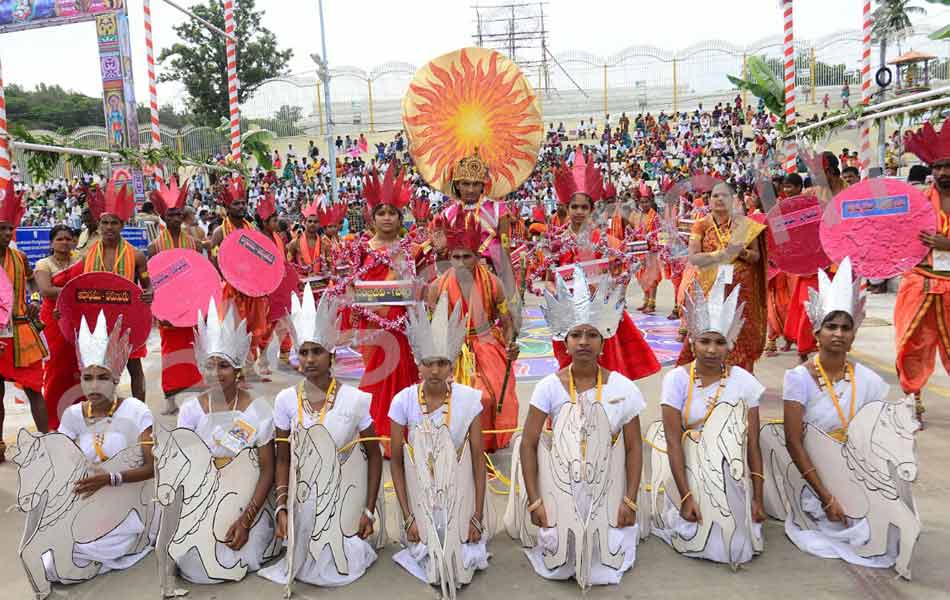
(659, 572)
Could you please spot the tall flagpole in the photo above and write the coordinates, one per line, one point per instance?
(323, 72)
(791, 148)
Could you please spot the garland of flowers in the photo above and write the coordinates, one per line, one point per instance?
(377, 258)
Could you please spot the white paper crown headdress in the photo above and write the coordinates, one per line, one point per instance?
(442, 337)
(714, 312)
(564, 310)
(839, 294)
(227, 339)
(313, 322)
(101, 347)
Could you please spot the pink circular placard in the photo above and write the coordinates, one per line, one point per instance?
(793, 236)
(876, 223)
(184, 282)
(87, 294)
(250, 261)
(6, 299)
(280, 299)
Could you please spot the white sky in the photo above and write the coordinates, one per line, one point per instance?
(369, 32)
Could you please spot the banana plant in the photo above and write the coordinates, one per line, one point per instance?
(763, 83)
(255, 142)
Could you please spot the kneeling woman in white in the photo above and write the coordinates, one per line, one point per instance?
(427, 406)
(576, 393)
(320, 400)
(229, 420)
(690, 394)
(102, 426)
(826, 393)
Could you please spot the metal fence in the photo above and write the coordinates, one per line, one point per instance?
(585, 86)
(196, 143)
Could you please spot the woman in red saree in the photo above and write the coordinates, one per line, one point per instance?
(727, 241)
(627, 352)
(60, 370)
(388, 366)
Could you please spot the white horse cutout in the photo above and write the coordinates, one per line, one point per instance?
(57, 519)
(441, 493)
(870, 475)
(712, 457)
(582, 479)
(337, 483)
(200, 501)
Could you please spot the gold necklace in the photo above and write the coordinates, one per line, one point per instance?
(448, 403)
(709, 405)
(572, 390)
(304, 401)
(841, 433)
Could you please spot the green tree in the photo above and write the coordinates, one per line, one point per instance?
(289, 114)
(51, 107)
(200, 62)
(167, 116)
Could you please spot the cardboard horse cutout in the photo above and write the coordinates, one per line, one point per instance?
(200, 500)
(870, 474)
(442, 496)
(582, 479)
(337, 482)
(713, 457)
(57, 519)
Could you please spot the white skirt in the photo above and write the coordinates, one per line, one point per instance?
(835, 540)
(112, 550)
(322, 571)
(741, 550)
(252, 554)
(623, 539)
(415, 558)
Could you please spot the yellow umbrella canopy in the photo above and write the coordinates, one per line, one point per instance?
(473, 100)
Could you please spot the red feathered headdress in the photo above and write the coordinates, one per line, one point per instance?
(117, 202)
(167, 197)
(582, 178)
(464, 232)
(645, 190)
(332, 214)
(394, 190)
(235, 190)
(421, 209)
(310, 210)
(266, 206)
(610, 191)
(927, 144)
(11, 204)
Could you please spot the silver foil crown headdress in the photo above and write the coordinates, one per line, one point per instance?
(101, 347)
(314, 322)
(227, 339)
(442, 337)
(714, 312)
(565, 310)
(838, 294)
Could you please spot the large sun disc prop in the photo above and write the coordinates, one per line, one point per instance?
(473, 99)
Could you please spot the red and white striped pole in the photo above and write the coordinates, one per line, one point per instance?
(791, 148)
(231, 50)
(5, 174)
(152, 82)
(867, 22)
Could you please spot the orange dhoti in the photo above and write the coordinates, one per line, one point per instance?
(779, 292)
(254, 311)
(490, 358)
(921, 316)
(179, 368)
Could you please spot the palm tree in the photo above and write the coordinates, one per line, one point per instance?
(891, 22)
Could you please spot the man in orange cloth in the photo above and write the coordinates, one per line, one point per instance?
(922, 310)
(267, 217)
(113, 254)
(252, 310)
(179, 368)
(306, 251)
(727, 241)
(21, 348)
(488, 345)
(646, 225)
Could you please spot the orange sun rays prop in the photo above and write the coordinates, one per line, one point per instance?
(467, 100)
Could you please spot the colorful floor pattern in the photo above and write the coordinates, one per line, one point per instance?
(537, 358)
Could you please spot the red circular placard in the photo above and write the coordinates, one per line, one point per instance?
(876, 223)
(250, 262)
(89, 293)
(793, 236)
(184, 282)
(280, 299)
